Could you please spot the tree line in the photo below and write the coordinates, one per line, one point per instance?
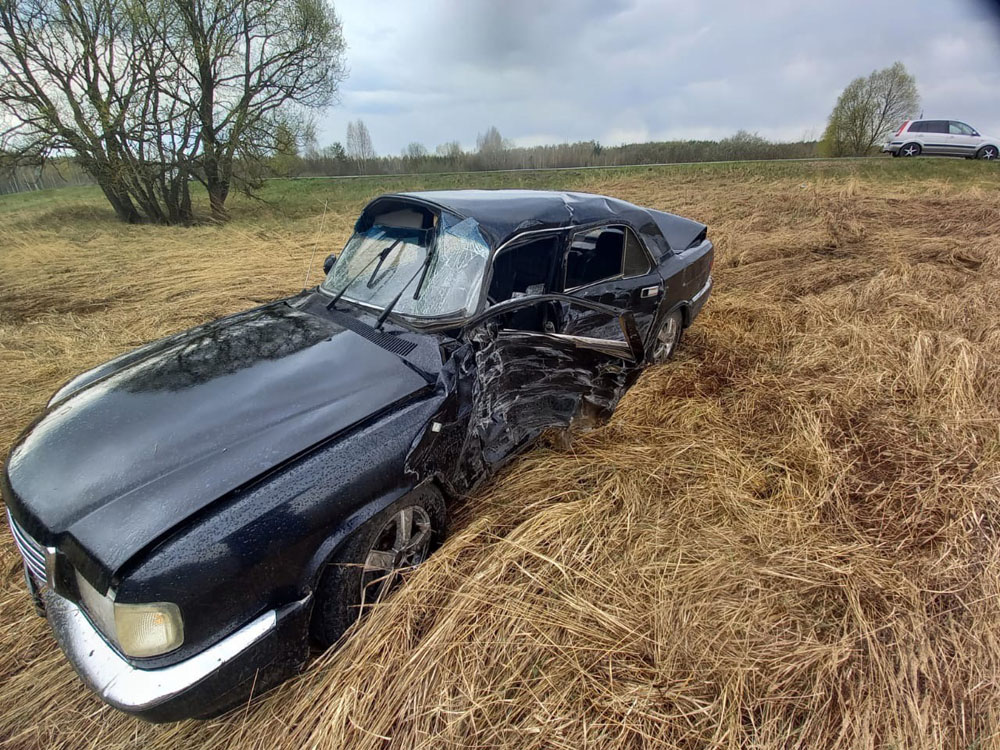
(865, 114)
(492, 151)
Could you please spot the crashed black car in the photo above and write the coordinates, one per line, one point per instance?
(197, 513)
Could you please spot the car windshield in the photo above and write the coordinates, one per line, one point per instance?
(450, 286)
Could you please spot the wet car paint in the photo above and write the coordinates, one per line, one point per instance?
(159, 439)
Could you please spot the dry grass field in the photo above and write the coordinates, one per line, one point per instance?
(787, 537)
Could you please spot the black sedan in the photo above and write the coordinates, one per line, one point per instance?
(197, 513)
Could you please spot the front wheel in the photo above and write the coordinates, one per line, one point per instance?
(667, 338)
(988, 152)
(372, 560)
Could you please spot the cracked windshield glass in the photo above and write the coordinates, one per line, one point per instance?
(378, 263)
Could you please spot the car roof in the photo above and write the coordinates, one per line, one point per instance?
(504, 214)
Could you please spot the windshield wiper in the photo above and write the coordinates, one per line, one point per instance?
(422, 271)
(381, 257)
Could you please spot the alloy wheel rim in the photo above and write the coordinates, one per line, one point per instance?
(402, 543)
(990, 153)
(665, 340)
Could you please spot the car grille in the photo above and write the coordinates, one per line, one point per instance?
(32, 552)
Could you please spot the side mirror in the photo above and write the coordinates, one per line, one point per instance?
(328, 263)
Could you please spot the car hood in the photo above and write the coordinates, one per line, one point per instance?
(165, 431)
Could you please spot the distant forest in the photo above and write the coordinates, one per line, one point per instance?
(310, 161)
(450, 158)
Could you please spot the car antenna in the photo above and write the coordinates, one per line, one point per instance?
(312, 257)
(380, 257)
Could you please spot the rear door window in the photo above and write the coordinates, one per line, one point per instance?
(604, 254)
(636, 259)
(597, 255)
(936, 126)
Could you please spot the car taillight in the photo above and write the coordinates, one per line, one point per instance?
(902, 127)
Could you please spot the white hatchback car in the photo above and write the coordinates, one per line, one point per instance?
(942, 138)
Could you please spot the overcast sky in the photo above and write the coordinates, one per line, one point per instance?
(552, 71)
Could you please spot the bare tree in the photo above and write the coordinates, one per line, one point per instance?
(359, 144)
(309, 141)
(149, 94)
(868, 110)
(84, 78)
(285, 159)
(251, 61)
(492, 148)
(449, 150)
(414, 150)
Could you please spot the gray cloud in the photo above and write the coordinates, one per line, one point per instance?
(628, 70)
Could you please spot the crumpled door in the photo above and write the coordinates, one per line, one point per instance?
(529, 381)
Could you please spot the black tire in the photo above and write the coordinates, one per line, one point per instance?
(894, 154)
(988, 153)
(668, 338)
(910, 149)
(348, 586)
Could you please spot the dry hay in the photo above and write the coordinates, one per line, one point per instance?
(785, 538)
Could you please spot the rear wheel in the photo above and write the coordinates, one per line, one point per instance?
(910, 149)
(667, 338)
(988, 152)
(373, 559)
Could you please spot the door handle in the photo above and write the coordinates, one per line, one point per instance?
(649, 291)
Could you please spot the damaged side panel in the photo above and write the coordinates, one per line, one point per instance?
(526, 383)
(505, 387)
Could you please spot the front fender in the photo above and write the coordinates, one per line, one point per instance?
(262, 547)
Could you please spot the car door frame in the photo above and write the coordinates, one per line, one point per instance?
(562, 378)
(631, 349)
(938, 143)
(965, 144)
(640, 294)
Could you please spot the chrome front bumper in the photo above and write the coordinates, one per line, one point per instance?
(138, 690)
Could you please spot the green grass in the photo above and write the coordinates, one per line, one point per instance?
(297, 198)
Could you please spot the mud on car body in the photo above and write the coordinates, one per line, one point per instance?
(194, 514)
